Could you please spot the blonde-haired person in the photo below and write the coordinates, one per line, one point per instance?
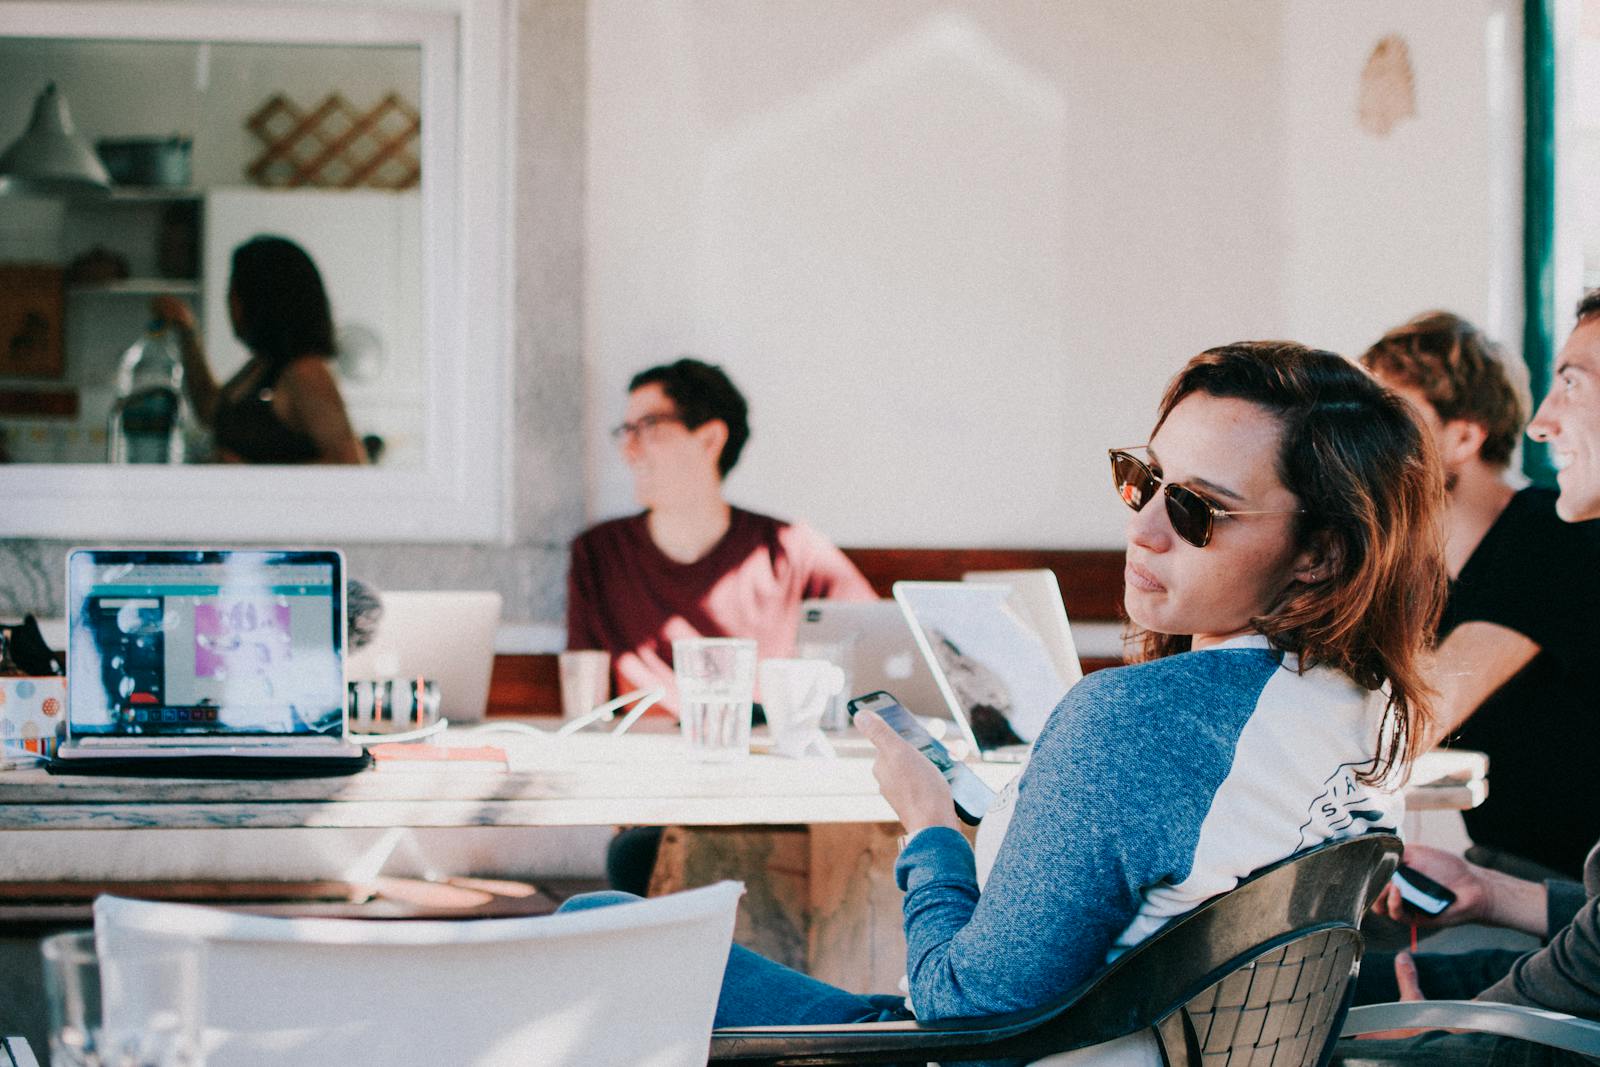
(1516, 670)
(1283, 543)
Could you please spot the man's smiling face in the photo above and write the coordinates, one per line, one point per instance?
(1569, 420)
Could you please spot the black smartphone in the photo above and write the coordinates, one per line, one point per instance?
(971, 795)
(1420, 891)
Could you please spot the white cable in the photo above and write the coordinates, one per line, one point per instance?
(607, 711)
(649, 700)
(505, 728)
(409, 735)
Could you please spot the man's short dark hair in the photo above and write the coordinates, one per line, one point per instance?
(1589, 305)
(702, 392)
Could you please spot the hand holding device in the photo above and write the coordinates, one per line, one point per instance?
(1442, 890)
(969, 793)
(1421, 892)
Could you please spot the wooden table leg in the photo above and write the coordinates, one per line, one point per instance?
(821, 899)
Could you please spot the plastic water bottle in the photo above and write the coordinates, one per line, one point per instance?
(147, 419)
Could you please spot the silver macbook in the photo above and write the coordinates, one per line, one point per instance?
(1001, 658)
(444, 636)
(876, 648)
(184, 652)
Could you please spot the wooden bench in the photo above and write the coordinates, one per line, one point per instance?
(1091, 586)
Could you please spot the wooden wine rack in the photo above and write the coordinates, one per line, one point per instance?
(336, 145)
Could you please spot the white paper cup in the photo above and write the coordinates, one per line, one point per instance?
(585, 681)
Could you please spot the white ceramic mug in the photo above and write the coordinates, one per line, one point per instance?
(794, 694)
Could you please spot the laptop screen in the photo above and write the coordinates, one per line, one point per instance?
(993, 661)
(167, 643)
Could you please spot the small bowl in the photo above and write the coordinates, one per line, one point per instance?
(149, 161)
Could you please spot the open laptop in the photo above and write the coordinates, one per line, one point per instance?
(212, 652)
(1001, 654)
(446, 637)
(879, 651)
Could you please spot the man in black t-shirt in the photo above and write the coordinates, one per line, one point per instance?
(1564, 975)
(1516, 671)
(1538, 577)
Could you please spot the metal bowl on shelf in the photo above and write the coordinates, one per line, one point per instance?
(148, 161)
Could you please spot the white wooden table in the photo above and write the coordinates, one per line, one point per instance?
(1448, 780)
(583, 780)
(813, 839)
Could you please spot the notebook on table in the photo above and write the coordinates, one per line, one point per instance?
(1001, 654)
(206, 655)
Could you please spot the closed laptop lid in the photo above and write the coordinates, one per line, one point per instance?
(871, 641)
(445, 636)
(176, 646)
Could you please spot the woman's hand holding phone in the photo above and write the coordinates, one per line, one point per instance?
(911, 784)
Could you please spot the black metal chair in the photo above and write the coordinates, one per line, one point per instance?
(1260, 975)
(1550, 1028)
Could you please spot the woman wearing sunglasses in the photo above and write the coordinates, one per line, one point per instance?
(1283, 584)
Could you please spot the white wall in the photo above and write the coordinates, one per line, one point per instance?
(1577, 245)
(1428, 216)
(949, 251)
(952, 251)
(1175, 231)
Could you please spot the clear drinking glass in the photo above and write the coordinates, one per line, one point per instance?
(716, 679)
(153, 998)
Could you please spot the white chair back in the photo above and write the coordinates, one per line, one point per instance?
(635, 983)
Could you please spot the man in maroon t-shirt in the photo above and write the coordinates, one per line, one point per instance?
(690, 564)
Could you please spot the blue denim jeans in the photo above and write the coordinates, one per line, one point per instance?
(759, 992)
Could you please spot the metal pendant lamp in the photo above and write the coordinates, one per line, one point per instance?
(50, 158)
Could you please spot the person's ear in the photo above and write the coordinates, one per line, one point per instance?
(712, 435)
(1319, 561)
(1460, 441)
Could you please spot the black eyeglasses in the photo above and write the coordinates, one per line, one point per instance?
(643, 425)
(1191, 514)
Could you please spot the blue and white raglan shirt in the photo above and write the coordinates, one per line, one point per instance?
(1150, 789)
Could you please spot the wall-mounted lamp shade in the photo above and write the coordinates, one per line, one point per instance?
(50, 159)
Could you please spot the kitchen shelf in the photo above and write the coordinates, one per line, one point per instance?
(156, 193)
(139, 287)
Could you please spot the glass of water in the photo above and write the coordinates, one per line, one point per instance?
(716, 679)
(144, 1014)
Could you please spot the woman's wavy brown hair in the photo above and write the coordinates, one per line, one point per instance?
(1373, 498)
